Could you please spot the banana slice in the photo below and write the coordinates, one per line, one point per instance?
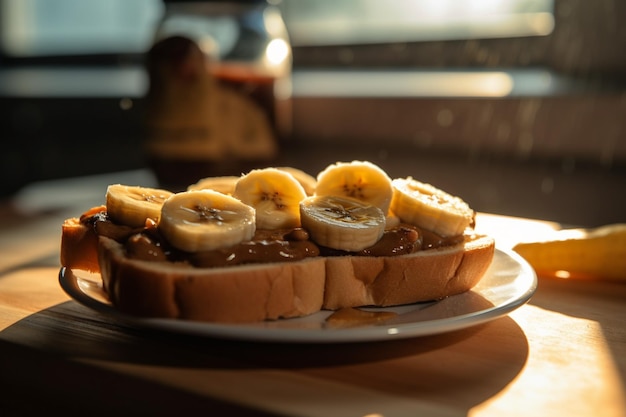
(391, 220)
(132, 205)
(224, 185)
(430, 208)
(342, 223)
(275, 196)
(307, 181)
(204, 220)
(357, 179)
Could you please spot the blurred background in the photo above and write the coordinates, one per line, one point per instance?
(517, 106)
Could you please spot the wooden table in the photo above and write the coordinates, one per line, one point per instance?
(562, 354)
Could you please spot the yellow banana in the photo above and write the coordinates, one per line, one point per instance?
(307, 181)
(204, 220)
(591, 253)
(342, 223)
(430, 208)
(132, 205)
(357, 179)
(391, 220)
(224, 185)
(274, 194)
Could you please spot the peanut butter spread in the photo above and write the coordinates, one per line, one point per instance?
(146, 243)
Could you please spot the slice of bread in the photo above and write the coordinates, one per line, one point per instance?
(269, 291)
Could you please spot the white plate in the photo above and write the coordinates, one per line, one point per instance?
(508, 284)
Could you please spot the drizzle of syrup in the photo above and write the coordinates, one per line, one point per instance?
(352, 317)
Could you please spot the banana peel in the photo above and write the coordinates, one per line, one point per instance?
(598, 253)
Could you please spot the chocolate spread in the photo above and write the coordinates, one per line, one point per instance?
(266, 246)
(351, 317)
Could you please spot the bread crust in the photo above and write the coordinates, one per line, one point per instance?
(249, 293)
(355, 281)
(79, 246)
(243, 293)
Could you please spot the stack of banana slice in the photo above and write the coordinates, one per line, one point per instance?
(347, 207)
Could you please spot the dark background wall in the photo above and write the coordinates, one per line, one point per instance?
(574, 170)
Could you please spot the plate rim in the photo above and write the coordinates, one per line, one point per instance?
(69, 282)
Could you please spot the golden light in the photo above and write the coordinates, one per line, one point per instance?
(562, 274)
(277, 51)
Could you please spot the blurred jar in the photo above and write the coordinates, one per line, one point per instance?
(219, 98)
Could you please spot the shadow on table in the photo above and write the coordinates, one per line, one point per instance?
(470, 365)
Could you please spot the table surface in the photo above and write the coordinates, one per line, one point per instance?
(563, 353)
